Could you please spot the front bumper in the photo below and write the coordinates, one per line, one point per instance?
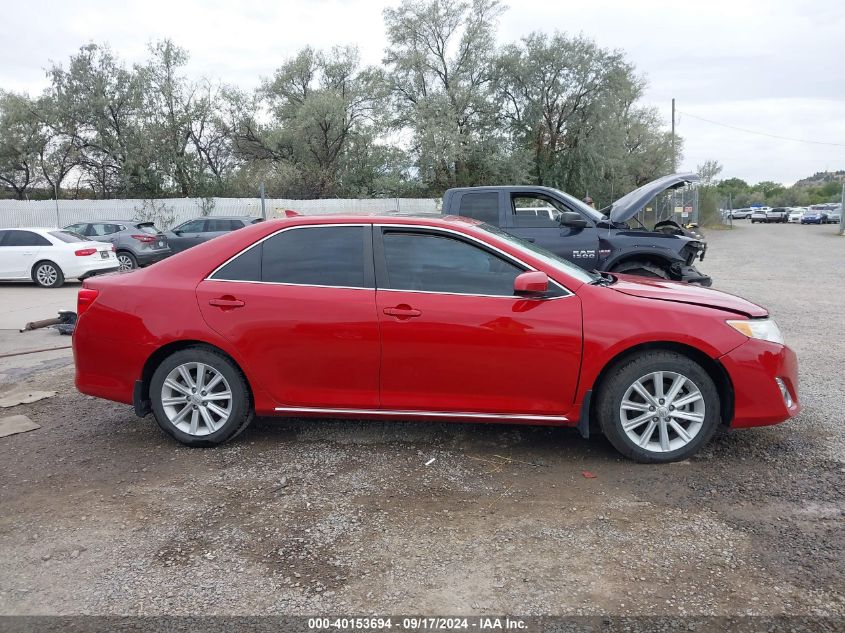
(753, 368)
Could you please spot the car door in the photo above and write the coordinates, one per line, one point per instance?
(186, 235)
(299, 307)
(454, 337)
(215, 227)
(19, 251)
(535, 217)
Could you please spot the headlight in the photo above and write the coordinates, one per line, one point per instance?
(764, 329)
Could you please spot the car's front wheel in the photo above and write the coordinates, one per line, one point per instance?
(658, 406)
(47, 275)
(200, 397)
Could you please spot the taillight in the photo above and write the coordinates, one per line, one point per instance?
(84, 252)
(144, 238)
(84, 300)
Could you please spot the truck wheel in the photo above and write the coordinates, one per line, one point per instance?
(658, 407)
(641, 268)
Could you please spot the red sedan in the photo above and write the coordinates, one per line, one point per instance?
(410, 318)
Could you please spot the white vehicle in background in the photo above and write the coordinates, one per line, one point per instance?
(49, 256)
(759, 214)
(795, 214)
(741, 214)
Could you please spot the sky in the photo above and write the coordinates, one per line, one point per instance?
(775, 67)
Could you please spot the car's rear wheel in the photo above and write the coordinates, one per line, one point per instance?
(200, 397)
(47, 275)
(641, 268)
(658, 406)
(126, 261)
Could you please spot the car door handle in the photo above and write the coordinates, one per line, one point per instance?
(226, 302)
(402, 311)
(530, 239)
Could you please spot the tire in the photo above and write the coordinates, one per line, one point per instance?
(641, 268)
(196, 423)
(47, 275)
(658, 447)
(127, 261)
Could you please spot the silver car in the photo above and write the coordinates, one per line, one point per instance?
(136, 243)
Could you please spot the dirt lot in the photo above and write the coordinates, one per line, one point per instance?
(100, 513)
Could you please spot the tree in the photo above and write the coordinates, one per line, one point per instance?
(440, 64)
(708, 172)
(99, 105)
(20, 143)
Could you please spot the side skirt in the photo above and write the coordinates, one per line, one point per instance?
(526, 417)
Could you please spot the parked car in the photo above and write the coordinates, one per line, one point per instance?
(136, 243)
(741, 214)
(834, 216)
(778, 215)
(796, 213)
(759, 214)
(602, 240)
(426, 318)
(199, 230)
(50, 256)
(814, 216)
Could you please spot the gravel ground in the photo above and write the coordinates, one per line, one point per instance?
(100, 513)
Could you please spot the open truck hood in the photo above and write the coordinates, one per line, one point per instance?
(630, 204)
(680, 292)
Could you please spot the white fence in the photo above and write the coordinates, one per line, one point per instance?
(171, 211)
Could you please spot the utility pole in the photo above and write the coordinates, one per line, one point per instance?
(842, 212)
(674, 167)
(56, 197)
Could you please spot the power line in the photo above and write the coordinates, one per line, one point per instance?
(742, 129)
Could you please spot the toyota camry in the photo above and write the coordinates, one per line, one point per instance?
(431, 319)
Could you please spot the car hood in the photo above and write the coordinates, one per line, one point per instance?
(679, 292)
(630, 204)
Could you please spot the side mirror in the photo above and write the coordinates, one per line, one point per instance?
(176, 232)
(572, 220)
(531, 284)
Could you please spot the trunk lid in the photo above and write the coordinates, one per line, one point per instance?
(632, 203)
(679, 292)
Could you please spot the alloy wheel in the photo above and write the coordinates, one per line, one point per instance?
(46, 275)
(662, 411)
(125, 262)
(196, 399)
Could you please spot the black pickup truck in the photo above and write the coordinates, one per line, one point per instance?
(600, 240)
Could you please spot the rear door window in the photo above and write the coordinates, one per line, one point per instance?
(192, 226)
(216, 225)
(316, 256)
(312, 256)
(24, 238)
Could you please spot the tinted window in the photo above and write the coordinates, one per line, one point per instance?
(223, 225)
(192, 226)
(103, 228)
(434, 263)
(24, 238)
(319, 256)
(481, 206)
(77, 228)
(68, 236)
(245, 267)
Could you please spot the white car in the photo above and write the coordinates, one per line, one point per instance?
(795, 214)
(49, 256)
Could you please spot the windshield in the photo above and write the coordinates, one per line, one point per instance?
(568, 268)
